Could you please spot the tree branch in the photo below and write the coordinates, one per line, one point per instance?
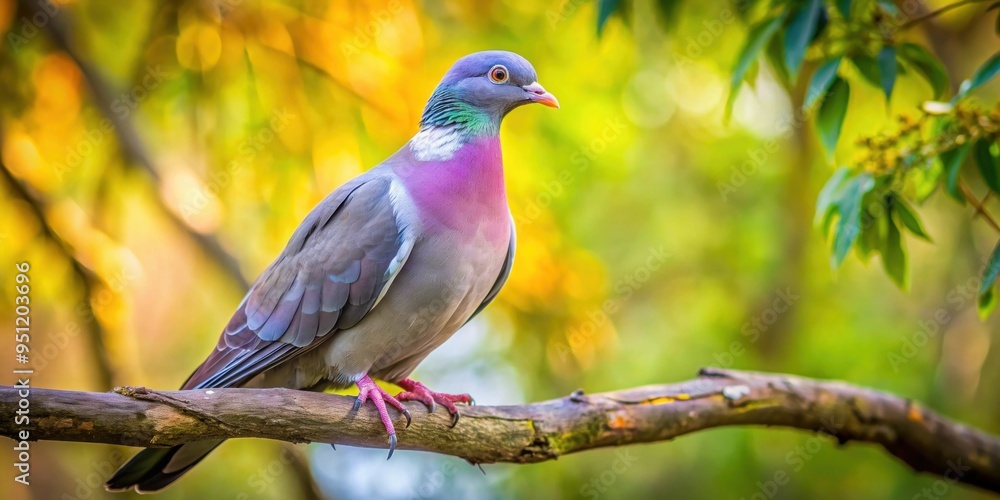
(938, 12)
(980, 206)
(529, 433)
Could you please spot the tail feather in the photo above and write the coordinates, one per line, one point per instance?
(153, 469)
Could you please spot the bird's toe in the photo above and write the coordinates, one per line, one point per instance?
(392, 445)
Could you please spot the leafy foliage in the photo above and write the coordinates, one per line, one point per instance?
(865, 205)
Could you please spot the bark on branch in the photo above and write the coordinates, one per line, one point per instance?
(529, 433)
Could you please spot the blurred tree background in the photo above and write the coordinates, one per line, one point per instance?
(157, 155)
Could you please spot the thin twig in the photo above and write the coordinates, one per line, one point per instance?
(938, 12)
(332, 79)
(980, 209)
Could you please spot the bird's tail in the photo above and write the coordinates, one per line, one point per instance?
(153, 469)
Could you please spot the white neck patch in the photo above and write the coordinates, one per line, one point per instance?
(436, 143)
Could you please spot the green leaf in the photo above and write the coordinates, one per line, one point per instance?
(775, 54)
(821, 81)
(909, 218)
(986, 303)
(927, 65)
(760, 34)
(989, 164)
(825, 201)
(887, 70)
(870, 238)
(925, 180)
(996, 25)
(821, 24)
(604, 10)
(987, 299)
(844, 6)
(987, 71)
(893, 255)
(952, 163)
(668, 12)
(798, 34)
(831, 114)
(868, 68)
(849, 208)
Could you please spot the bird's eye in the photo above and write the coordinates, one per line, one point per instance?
(498, 74)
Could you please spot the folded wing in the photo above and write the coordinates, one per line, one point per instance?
(334, 270)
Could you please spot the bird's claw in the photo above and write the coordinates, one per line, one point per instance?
(415, 391)
(368, 390)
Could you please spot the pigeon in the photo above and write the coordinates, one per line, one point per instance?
(382, 271)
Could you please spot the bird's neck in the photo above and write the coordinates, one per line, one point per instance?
(449, 122)
(446, 128)
(461, 189)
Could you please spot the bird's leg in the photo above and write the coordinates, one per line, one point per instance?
(415, 391)
(368, 389)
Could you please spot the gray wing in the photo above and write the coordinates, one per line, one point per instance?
(508, 263)
(336, 267)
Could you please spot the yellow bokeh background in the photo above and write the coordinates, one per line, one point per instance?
(644, 251)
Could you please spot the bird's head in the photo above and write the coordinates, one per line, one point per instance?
(481, 88)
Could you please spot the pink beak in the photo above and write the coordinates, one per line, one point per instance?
(538, 94)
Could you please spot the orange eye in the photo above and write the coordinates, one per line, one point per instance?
(498, 74)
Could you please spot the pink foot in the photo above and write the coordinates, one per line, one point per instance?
(415, 391)
(367, 389)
